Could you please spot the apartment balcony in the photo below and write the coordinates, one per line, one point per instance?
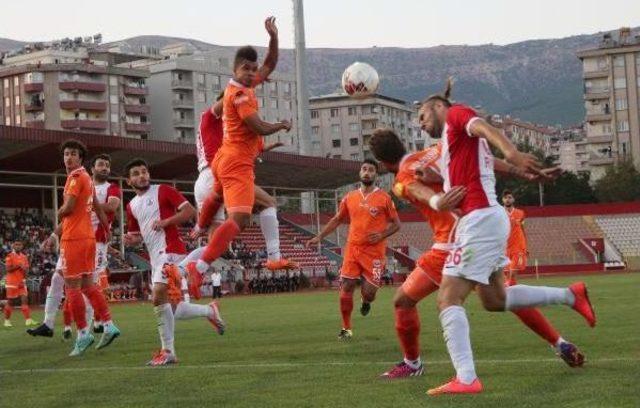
(94, 106)
(135, 90)
(137, 127)
(34, 87)
(34, 123)
(599, 73)
(598, 117)
(601, 160)
(591, 94)
(34, 107)
(182, 103)
(600, 139)
(82, 85)
(84, 124)
(183, 123)
(181, 84)
(137, 109)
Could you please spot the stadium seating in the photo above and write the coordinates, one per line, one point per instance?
(623, 231)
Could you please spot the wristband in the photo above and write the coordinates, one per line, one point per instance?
(434, 200)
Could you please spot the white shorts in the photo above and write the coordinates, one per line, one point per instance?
(204, 187)
(59, 263)
(157, 265)
(480, 245)
(101, 259)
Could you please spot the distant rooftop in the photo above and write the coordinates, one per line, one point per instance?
(341, 95)
(626, 38)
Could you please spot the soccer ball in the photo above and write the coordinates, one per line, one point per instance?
(360, 80)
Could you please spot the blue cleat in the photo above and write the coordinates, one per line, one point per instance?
(82, 343)
(108, 336)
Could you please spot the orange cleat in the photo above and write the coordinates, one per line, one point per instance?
(582, 303)
(195, 280)
(456, 387)
(280, 264)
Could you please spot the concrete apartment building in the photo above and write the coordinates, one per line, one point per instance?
(68, 85)
(341, 126)
(188, 81)
(611, 73)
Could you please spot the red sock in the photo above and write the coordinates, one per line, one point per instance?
(408, 330)
(346, 307)
(7, 311)
(535, 320)
(98, 302)
(210, 207)
(25, 311)
(66, 312)
(220, 240)
(78, 309)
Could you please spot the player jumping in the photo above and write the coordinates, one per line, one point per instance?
(373, 218)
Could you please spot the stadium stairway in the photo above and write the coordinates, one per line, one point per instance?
(623, 232)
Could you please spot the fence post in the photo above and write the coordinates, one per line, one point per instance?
(55, 201)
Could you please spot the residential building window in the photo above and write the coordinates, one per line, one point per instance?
(315, 130)
(274, 103)
(200, 78)
(288, 105)
(355, 156)
(6, 82)
(16, 83)
(200, 97)
(315, 145)
(354, 127)
(216, 82)
(260, 102)
(623, 126)
(383, 110)
(142, 100)
(606, 129)
(18, 120)
(114, 117)
(335, 112)
(335, 142)
(112, 98)
(7, 121)
(337, 156)
(287, 87)
(113, 81)
(273, 87)
(315, 114)
(353, 141)
(618, 61)
(335, 129)
(7, 102)
(620, 83)
(352, 111)
(602, 63)
(624, 148)
(17, 100)
(621, 104)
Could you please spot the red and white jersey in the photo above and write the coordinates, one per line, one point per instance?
(159, 202)
(467, 160)
(103, 192)
(209, 138)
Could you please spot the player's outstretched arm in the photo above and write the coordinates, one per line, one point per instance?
(438, 201)
(257, 125)
(547, 174)
(271, 59)
(328, 229)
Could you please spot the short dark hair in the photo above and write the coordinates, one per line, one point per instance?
(442, 97)
(74, 144)
(506, 192)
(386, 146)
(246, 53)
(135, 163)
(371, 162)
(101, 156)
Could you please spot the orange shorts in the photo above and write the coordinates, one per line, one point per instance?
(78, 257)
(14, 292)
(427, 275)
(517, 260)
(234, 181)
(363, 261)
(103, 281)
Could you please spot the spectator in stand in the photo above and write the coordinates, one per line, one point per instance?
(216, 282)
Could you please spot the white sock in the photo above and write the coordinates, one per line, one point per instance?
(413, 363)
(559, 342)
(193, 256)
(67, 328)
(456, 335)
(269, 225)
(54, 298)
(166, 326)
(522, 296)
(186, 311)
(202, 266)
(89, 310)
(184, 287)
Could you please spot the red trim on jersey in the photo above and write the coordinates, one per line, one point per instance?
(170, 200)
(210, 134)
(112, 191)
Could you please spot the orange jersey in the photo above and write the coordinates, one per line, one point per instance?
(77, 225)
(15, 277)
(239, 102)
(367, 213)
(517, 241)
(441, 222)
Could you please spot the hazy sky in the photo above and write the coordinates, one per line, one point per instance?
(329, 23)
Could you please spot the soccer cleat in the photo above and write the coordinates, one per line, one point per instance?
(66, 334)
(82, 343)
(98, 329)
(195, 280)
(403, 370)
(7, 323)
(216, 320)
(161, 358)
(275, 265)
(456, 387)
(108, 336)
(30, 322)
(42, 330)
(365, 308)
(345, 334)
(582, 303)
(570, 354)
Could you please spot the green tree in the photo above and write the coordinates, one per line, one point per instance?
(620, 182)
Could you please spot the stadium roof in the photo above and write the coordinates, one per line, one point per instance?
(36, 150)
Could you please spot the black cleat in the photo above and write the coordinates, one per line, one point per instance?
(66, 334)
(42, 330)
(365, 308)
(98, 329)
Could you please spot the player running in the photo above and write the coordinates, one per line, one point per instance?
(477, 257)
(17, 265)
(233, 165)
(153, 217)
(373, 218)
(416, 183)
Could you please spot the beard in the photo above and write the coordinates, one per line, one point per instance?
(366, 182)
